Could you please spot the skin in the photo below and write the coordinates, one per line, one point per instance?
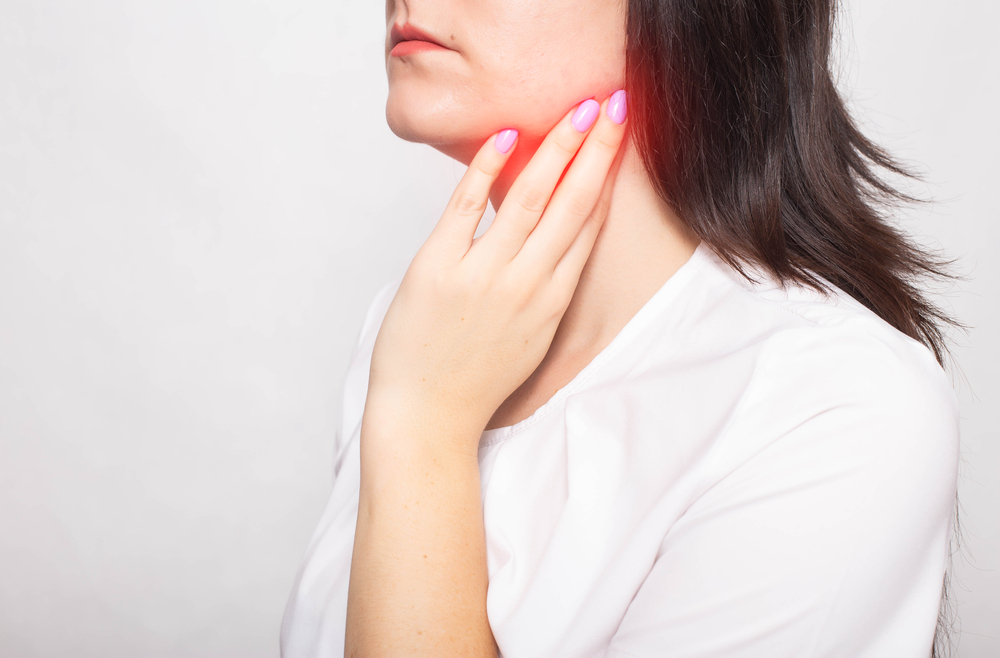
(515, 64)
(482, 332)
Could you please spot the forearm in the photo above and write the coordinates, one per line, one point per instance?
(418, 573)
(470, 322)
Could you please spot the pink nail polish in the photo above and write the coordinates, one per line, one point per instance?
(585, 115)
(505, 140)
(617, 107)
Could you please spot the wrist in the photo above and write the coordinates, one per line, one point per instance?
(400, 448)
(408, 461)
(420, 422)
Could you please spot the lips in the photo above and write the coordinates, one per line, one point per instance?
(409, 32)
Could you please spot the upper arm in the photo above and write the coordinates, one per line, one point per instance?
(826, 530)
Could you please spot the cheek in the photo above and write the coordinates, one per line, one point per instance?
(523, 65)
(534, 80)
(546, 56)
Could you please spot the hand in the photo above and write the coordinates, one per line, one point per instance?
(472, 319)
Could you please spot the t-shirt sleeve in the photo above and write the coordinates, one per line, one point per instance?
(356, 380)
(825, 522)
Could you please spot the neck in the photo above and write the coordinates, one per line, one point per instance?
(642, 243)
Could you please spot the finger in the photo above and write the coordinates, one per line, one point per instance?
(530, 193)
(574, 200)
(465, 209)
(567, 271)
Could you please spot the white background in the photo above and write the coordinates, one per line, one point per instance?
(198, 200)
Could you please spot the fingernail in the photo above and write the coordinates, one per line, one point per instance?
(505, 140)
(617, 107)
(584, 116)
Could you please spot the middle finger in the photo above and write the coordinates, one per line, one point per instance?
(575, 200)
(531, 191)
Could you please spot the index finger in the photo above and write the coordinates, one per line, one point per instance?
(529, 195)
(465, 209)
(576, 198)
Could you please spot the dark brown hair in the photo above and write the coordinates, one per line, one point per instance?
(739, 123)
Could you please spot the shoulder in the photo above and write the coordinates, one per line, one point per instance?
(870, 394)
(823, 368)
(827, 343)
(837, 351)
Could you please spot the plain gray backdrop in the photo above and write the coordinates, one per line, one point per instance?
(198, 200)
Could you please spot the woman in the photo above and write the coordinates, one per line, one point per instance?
(681, 398)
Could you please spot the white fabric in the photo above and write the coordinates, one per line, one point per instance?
(744, 471)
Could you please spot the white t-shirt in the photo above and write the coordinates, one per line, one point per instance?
(744, 471)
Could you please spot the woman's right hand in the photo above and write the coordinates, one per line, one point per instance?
(472, 319)
(470, 322)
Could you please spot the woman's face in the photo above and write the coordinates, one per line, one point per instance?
(510, 64)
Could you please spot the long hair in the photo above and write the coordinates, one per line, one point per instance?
(738, 121)
(742, 130)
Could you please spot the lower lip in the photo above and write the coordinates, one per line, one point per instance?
(404, 48)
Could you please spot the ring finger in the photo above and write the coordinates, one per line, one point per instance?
(578, 193)
(531, 191)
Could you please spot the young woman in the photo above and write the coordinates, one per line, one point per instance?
(682, 398)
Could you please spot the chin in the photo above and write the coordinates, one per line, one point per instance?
(440, 124)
